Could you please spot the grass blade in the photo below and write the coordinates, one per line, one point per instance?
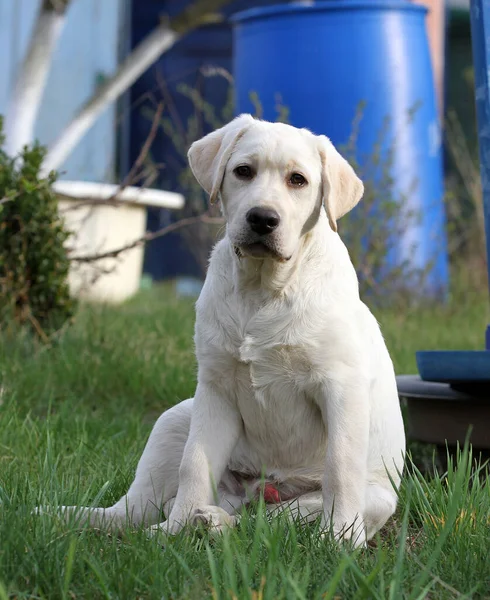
(70, 557)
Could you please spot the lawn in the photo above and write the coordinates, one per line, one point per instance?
(74, 418)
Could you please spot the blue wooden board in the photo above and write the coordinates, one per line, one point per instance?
(454, 366)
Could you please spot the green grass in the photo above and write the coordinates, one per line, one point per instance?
(74, 419)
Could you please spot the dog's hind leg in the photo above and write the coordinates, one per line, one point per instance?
(380, 505)
(156, 480)
(306, 507)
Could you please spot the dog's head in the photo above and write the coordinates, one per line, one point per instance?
(272, 179)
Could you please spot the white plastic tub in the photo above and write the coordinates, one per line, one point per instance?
(99, 228)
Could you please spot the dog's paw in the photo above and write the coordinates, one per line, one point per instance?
(164, 529)
(213, 518)
(349, 532)
(172, 526)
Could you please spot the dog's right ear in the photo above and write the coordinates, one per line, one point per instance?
(209, 155)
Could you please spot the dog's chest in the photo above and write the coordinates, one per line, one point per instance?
(270, 344)
(274, 390)
(282, 422)
(260, 348)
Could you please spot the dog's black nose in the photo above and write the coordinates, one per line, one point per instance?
(263, 220)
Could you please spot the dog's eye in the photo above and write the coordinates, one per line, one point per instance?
(243, 172)
(297, 180)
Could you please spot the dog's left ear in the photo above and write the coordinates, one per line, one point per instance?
(209, 155)
(342, 188)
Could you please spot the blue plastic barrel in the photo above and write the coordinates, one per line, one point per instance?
(325, 60)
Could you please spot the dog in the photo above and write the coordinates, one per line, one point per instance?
(296, 396)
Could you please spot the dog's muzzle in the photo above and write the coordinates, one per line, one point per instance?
(263, 221)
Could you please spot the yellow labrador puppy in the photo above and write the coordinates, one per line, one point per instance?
(295, 383)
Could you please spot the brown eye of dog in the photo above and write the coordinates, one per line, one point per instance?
(243, 172)
(297, 180)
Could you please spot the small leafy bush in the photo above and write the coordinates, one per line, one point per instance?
(33, 261)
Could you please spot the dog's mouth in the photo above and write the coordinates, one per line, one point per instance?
(259, 250)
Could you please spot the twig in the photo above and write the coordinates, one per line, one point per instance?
(436, 578)
(197, 14)
(167, 98)
(18, 193)
(37, 327)
(145, 148)
(149, 237)
(213, 71)
(129, 179)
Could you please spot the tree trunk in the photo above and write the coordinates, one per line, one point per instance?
(32, 76)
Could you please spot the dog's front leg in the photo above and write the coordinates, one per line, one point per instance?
(214, 431)
(345, 409)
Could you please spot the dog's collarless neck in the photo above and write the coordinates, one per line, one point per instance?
(266, 273)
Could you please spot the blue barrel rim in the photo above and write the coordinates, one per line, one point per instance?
(279, 10)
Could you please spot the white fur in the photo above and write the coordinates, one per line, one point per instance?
(294, 381)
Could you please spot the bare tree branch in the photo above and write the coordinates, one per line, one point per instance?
(148, 237)
(145, 54)
(159, 41)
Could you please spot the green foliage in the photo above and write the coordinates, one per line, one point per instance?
(372, 230)
(33, 261)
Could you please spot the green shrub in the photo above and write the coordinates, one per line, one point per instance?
(33, 261)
